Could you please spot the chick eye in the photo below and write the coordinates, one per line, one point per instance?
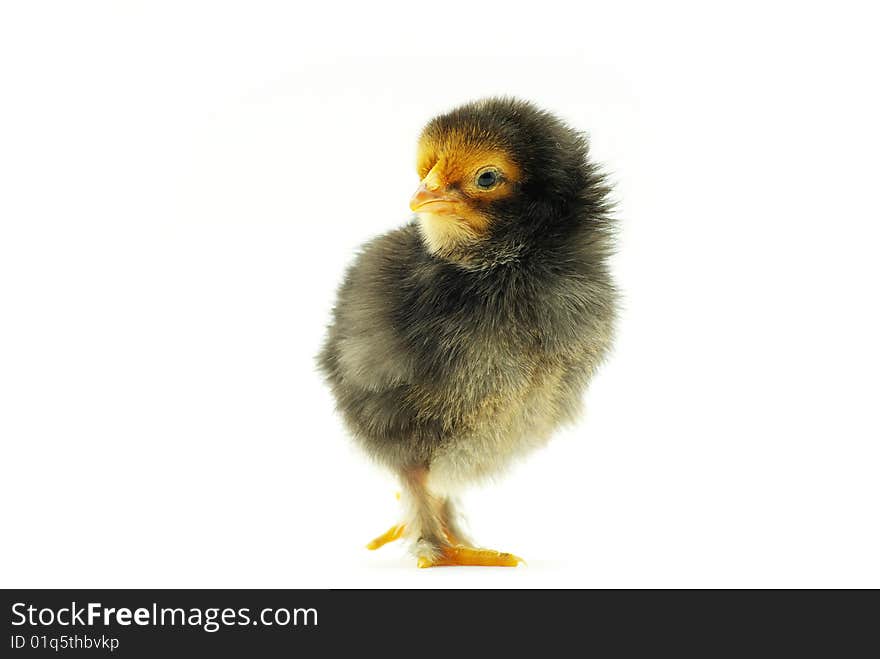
(487, 179)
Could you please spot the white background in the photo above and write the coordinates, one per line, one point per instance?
(182, 185)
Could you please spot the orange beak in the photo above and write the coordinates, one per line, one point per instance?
(433, 201)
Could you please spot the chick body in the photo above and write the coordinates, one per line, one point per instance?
(449, 361)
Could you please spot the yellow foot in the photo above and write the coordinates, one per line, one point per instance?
(460, 555)
(390, 535)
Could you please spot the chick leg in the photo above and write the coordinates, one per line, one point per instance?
(425, 513)
(451, 528)
(437, 532)
(448, 521)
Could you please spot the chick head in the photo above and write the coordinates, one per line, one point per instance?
(495, 170)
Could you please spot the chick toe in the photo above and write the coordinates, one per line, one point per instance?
(392, 534)
(461, 555)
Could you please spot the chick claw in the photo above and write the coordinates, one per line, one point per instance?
(460, 555)
(390, 535)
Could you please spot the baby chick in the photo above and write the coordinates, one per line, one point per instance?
(463, 339)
